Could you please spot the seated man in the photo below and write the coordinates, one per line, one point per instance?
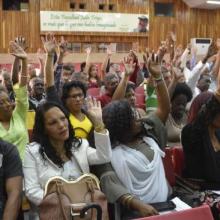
(10, 181)
(36, 93)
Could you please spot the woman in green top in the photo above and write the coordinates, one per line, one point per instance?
(13, 115)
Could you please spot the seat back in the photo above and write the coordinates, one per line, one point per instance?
(168, 166)
(140, 101)
(94, 92)
(178, 160)
(140, 90)
(200, 213)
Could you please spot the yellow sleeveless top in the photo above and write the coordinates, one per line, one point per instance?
(81, 128)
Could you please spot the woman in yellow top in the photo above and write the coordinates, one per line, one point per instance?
(73, 98)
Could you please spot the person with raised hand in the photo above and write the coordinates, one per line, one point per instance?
(141, 143)
(13, 115)
(56, 151)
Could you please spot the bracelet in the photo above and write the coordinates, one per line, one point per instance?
(24, 76)
(99, 127)
(129, 201)
(159, 81)
(158, 78)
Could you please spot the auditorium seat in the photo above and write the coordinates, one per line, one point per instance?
(168, 166)
(200, 213)
(140, 90)
(140, 101)
(94, 92)
(178, 160)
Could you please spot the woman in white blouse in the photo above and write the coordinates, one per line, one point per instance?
(55, 151)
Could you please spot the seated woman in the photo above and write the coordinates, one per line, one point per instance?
(201, 144)
(94, 80)
(13, 115)
(136, 175)
(178, 117)
(55, 151)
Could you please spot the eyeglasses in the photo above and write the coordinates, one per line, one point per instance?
(75, 96)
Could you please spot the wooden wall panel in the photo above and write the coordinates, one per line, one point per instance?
(187, 23)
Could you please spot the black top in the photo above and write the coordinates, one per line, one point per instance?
(10, 166)
(201, 160)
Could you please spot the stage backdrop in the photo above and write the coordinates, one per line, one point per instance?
(91, 21)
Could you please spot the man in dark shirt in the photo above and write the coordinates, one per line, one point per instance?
(10, 181)
(36, 95)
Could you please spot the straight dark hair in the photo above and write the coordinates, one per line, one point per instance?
(39, 135)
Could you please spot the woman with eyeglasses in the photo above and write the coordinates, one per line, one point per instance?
(13, 115)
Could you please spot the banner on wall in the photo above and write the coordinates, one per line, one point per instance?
(93, 22)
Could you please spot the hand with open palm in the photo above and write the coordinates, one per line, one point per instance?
(129, 67)
(94, 111)
(17, 50)
(154, 66)
(49, 43)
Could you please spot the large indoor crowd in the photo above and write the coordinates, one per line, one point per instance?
(114, 122)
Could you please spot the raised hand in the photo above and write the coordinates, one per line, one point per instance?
(154, 66)
(94, 111)
(109, 50)
(146, 55)
(88, 50)
(178, 75)
(49, 43)
(63, 45)
(212, 50)
(21, 42)
(17, 51)
(161, 52)
(40, 54)
(129, 66)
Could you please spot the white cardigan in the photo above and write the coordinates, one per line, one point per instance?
(37, 171)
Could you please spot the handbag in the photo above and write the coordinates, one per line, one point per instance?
(66, 200)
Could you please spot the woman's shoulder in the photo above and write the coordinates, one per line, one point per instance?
(81, 144)
(33, 147)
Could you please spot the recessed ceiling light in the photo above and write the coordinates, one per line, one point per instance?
(213, 2)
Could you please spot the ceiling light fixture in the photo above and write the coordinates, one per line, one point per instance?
(213, 2)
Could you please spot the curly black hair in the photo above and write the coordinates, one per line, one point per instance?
(118, 118)
(208, 113)
(39, 135)
(68, 86)
(182, 89)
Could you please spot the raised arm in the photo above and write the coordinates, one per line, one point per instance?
(121, 88)
(177, 76)
(40, 56)
(106, 60)
(103, 152)
(16, 64)
(163, 108)
(50, 46)
(197, 70)
(88, 57)
(18, 52)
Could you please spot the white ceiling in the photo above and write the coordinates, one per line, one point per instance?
(201, 4)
